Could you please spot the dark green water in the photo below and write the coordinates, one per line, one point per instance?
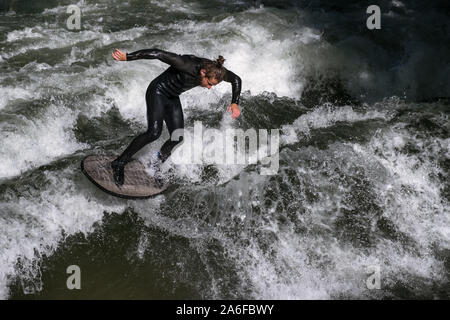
(363, 156)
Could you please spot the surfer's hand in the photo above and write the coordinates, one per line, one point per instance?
(235, 110)
(119, 55)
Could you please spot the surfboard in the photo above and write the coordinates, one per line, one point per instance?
(138, 184)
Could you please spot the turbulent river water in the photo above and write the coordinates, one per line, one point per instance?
(362, 187)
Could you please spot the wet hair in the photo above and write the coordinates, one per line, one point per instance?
(215, 69)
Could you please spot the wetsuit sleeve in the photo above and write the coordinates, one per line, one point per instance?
(236, 85)
(181, 63)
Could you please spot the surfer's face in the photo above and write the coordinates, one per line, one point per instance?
(207, 82)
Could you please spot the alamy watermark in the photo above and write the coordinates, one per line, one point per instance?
(214, 146)
(374, 280)
(74, 280)
(74, 20)
(374, 20)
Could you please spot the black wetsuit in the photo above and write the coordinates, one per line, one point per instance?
(163, 102)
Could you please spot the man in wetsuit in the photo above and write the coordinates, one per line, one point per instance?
(163, 102)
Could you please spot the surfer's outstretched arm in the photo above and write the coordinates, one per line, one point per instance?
(177, 61)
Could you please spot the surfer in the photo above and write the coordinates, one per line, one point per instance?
(163, 102)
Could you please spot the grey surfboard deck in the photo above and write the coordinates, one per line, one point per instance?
(138, 183)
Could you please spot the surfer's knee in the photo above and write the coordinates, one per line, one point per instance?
(152, 135)
(154, 131)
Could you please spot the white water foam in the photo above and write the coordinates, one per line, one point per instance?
(37, 142)
(34, 222)
(239, 39)
(412, 198)
(317, 266)
(325, 116)
(9, 93)
(51, 37)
